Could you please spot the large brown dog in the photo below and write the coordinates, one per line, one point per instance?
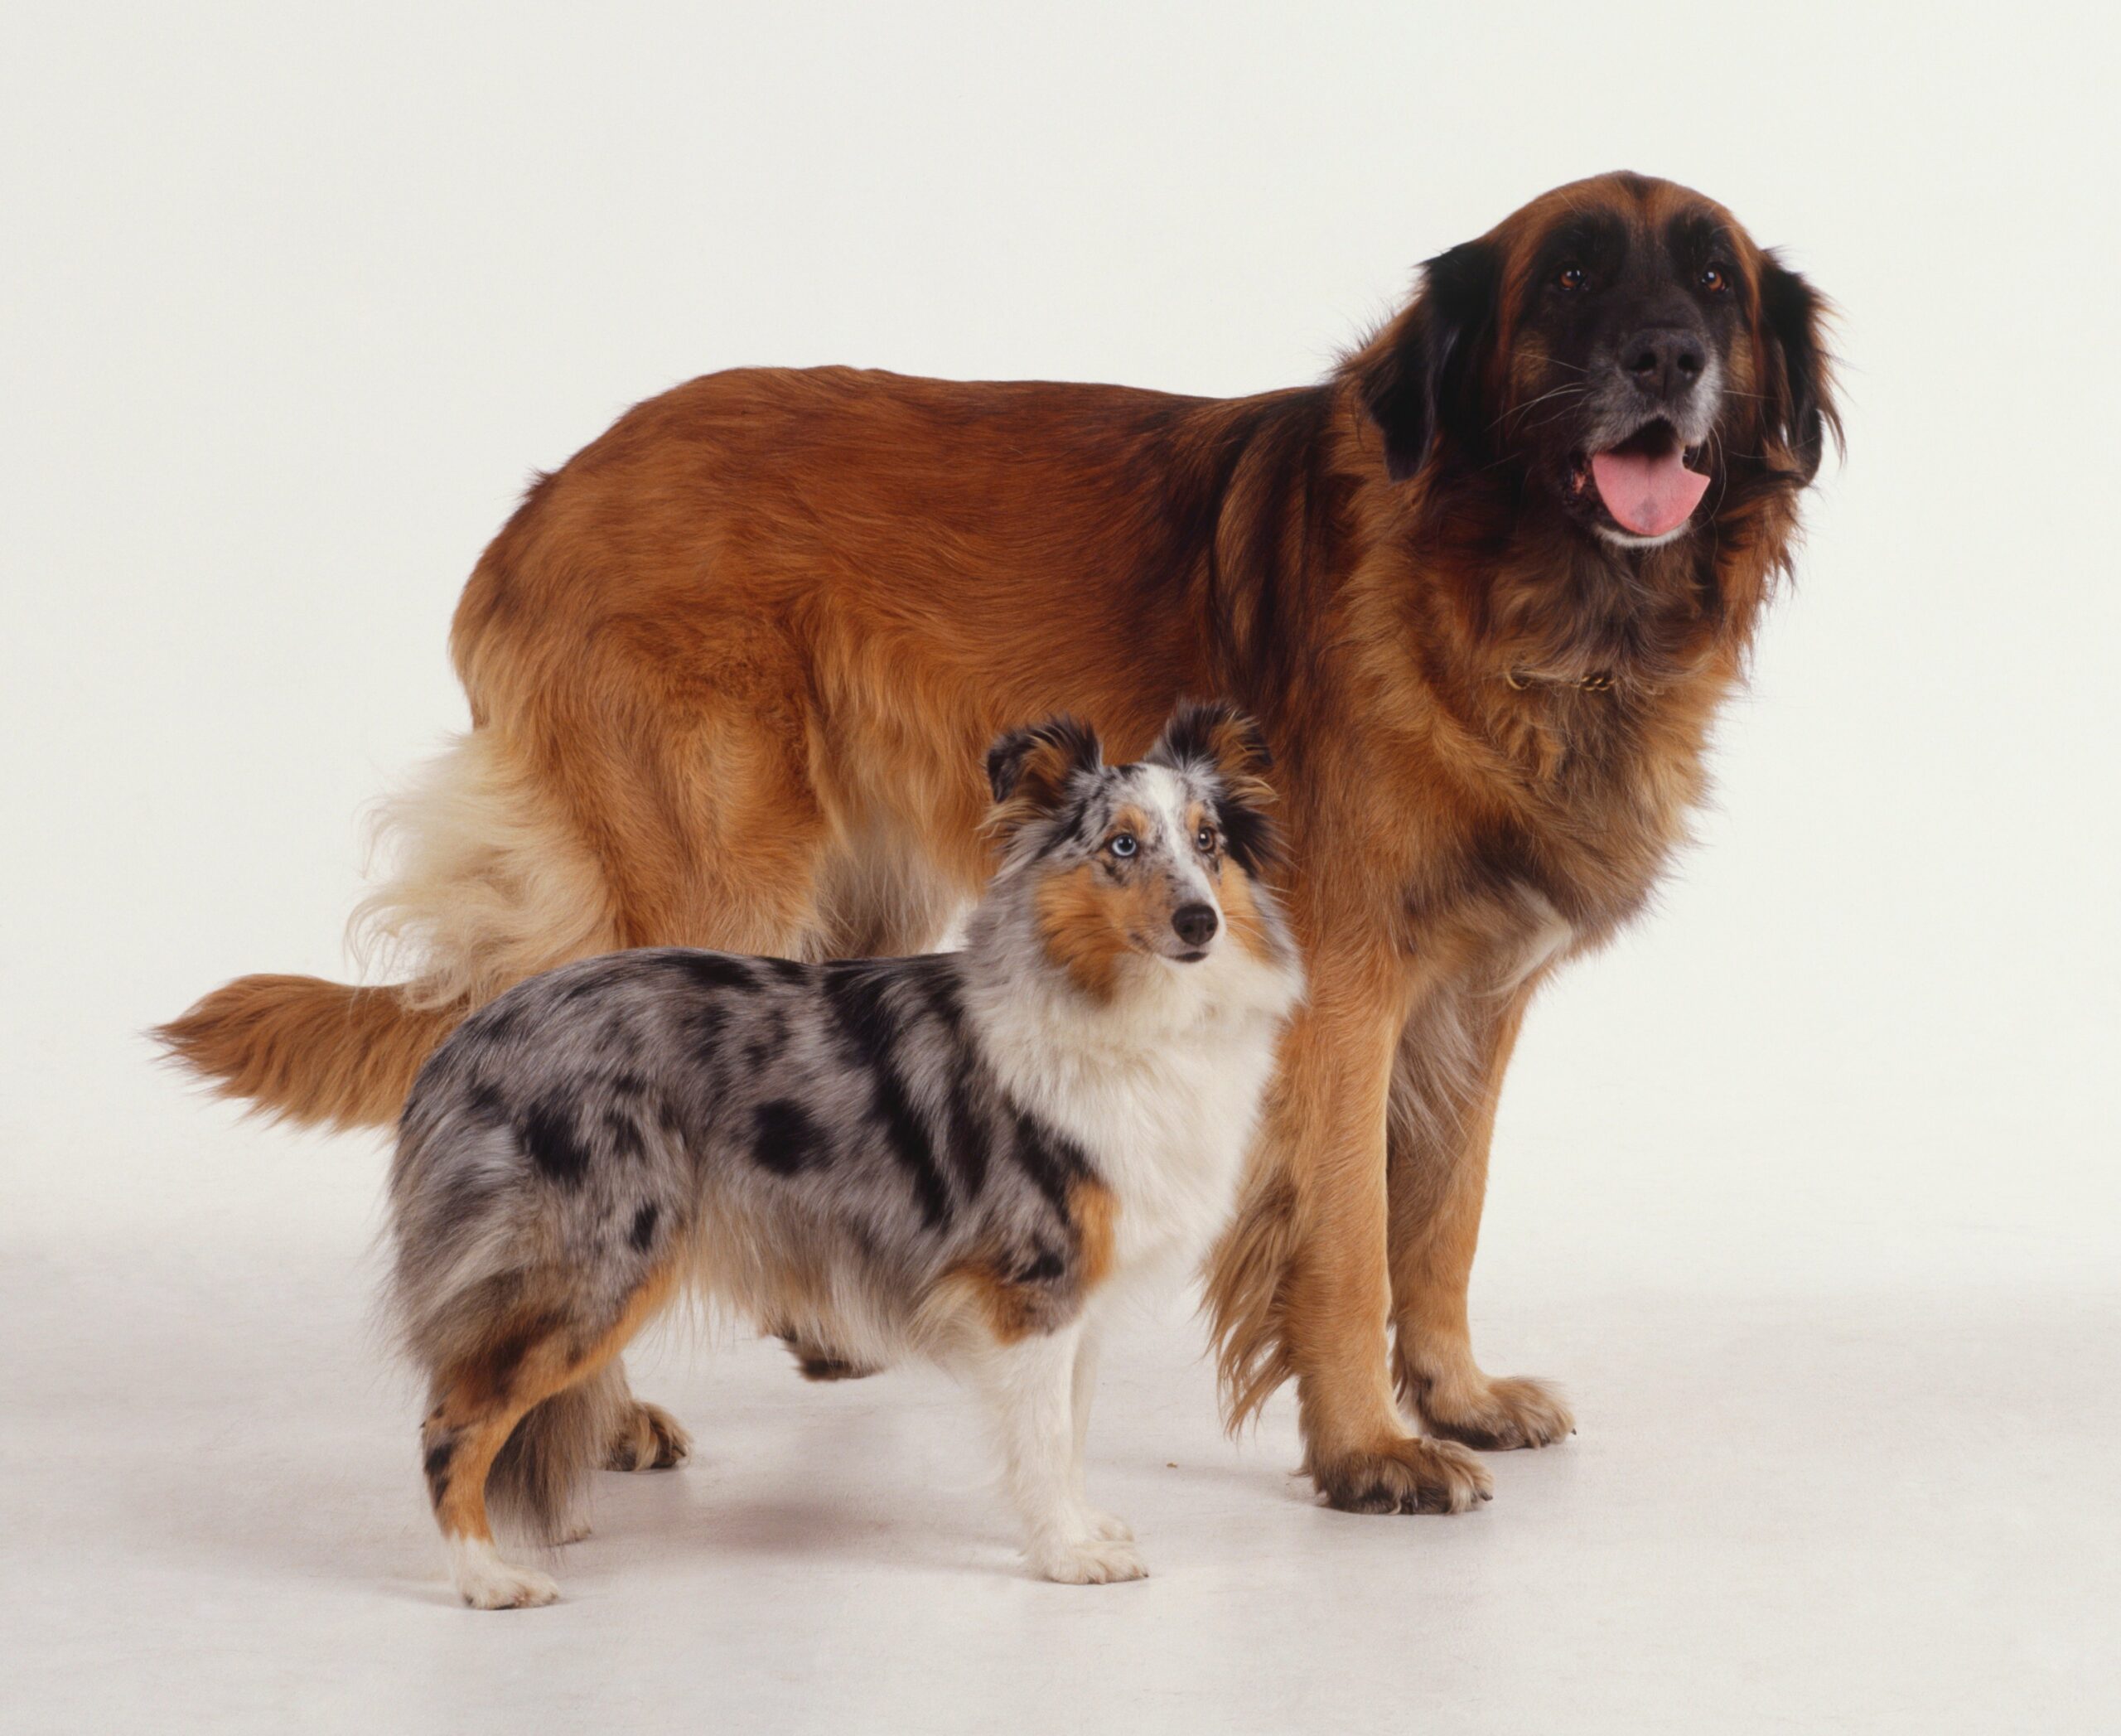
(732, 668)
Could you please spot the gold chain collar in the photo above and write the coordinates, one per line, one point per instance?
(1599, 681)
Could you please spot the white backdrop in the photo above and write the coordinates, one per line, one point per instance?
(295, 302)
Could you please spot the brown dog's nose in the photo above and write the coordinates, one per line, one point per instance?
(1195, 923)
(1663, 363)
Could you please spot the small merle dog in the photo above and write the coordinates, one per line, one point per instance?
(964, 1157)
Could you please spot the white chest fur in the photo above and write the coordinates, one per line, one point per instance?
(1169, 1129)
(1168, 1114)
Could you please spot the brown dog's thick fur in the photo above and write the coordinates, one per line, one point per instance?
(730, 670)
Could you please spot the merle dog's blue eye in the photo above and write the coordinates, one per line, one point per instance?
(1123, 845)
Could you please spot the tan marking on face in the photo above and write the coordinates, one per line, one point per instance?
(1130, 819)
(1742, 363)
(1528, 374)
(1241, 910)
(1088, 922)
(1075, 921)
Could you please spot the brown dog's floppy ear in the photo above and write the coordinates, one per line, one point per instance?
(1029, 770)
(1214, 737)
(1419, 378)
(1801, 377)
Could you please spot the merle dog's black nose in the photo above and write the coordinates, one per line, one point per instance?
(1663, 363)
(1195, 923)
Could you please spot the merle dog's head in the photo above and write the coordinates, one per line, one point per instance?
(1159, 860)
(1620, 345)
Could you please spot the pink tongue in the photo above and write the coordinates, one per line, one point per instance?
(1649, 496)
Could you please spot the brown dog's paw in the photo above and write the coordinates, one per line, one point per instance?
(1406, 1476)
(1497, 1414)
(649, 1440)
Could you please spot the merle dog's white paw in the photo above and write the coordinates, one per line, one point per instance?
(1087, 1560)
(486, 1582)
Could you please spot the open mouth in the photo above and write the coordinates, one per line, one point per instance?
(1648, 484)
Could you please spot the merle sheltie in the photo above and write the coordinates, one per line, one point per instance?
(964, 1157)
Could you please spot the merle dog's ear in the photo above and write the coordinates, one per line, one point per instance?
(1217, 739)
(1217, 735)
(1029, 770)
(1420, 377)
(1801, 410)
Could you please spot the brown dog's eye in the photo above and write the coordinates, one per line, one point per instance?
(1204, 840)
(1715, 279)
(1571, 278)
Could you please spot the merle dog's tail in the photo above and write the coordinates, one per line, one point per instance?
(539, 1482)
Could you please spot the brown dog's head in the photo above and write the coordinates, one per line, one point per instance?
(1621, 345)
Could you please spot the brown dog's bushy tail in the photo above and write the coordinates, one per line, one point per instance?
(492, 884)
(311, 1052)
(1247, 1297)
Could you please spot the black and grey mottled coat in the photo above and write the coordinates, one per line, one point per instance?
(840, 1116)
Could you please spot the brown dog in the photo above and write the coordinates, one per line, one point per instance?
(730, 670)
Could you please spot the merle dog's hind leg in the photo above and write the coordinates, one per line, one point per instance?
(480, 1399)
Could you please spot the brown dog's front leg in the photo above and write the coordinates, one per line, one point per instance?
(1326, 1129)
(1443, 1123)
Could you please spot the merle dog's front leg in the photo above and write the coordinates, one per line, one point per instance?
(1030, 1386)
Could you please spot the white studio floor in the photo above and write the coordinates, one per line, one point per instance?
(1814, 1511)
(1807, 1190)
